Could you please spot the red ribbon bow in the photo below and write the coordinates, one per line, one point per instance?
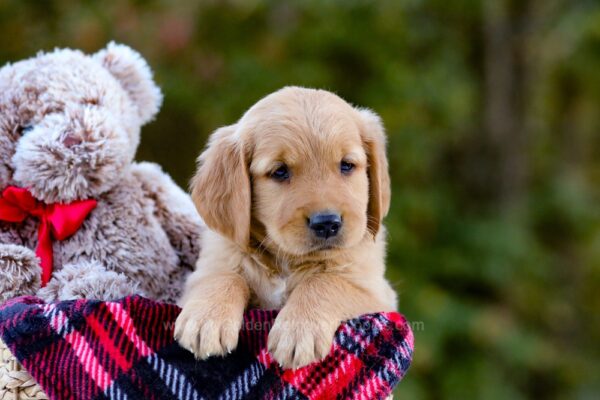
(58, 221)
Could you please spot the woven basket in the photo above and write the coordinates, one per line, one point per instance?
(15, 382)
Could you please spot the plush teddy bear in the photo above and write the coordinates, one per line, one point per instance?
(78, 218)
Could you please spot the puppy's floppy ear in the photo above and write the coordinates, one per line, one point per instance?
(221, 187)
(374, 141)
(134, 74)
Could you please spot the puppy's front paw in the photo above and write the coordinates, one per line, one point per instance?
(208, 329)
(296, 343)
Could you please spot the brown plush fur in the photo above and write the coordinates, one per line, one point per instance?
(69, 129)
(259, 249)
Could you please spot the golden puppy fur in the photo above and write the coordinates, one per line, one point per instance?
(259, 250)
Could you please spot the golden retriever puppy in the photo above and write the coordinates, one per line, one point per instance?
(294, 194)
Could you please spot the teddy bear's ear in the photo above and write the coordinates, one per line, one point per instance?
(134, 74)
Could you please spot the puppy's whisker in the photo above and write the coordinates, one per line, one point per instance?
(261, 245)
(371, 219)
(279, 260)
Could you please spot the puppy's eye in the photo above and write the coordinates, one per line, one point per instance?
(346, 167)
(281, 174)
(21, 130)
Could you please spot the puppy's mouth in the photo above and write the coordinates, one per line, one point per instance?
(326, 244)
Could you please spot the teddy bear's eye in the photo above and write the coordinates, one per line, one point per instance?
(24, 129)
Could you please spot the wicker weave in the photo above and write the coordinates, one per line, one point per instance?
(15, 382)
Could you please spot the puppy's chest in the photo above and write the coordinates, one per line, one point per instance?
(269, 290)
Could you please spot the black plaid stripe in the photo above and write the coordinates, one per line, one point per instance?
(272, 387)
(362, 331)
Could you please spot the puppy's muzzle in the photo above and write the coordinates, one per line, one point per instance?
(325, 225)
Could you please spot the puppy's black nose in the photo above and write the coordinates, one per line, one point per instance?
(325, 225)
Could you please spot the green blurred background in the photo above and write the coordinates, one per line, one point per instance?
(493, 114)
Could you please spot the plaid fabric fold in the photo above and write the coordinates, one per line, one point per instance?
(124, 349)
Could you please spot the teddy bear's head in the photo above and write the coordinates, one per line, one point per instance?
(70, 123)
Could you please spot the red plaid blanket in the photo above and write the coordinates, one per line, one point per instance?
(125, 350)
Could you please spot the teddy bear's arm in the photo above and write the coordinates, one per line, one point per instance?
(174, 209)
(20, 271)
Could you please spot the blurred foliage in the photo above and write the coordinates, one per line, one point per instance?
(501, 279)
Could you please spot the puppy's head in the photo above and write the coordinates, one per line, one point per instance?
(302, 170)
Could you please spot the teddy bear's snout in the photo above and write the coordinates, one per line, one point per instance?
(72, 155)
